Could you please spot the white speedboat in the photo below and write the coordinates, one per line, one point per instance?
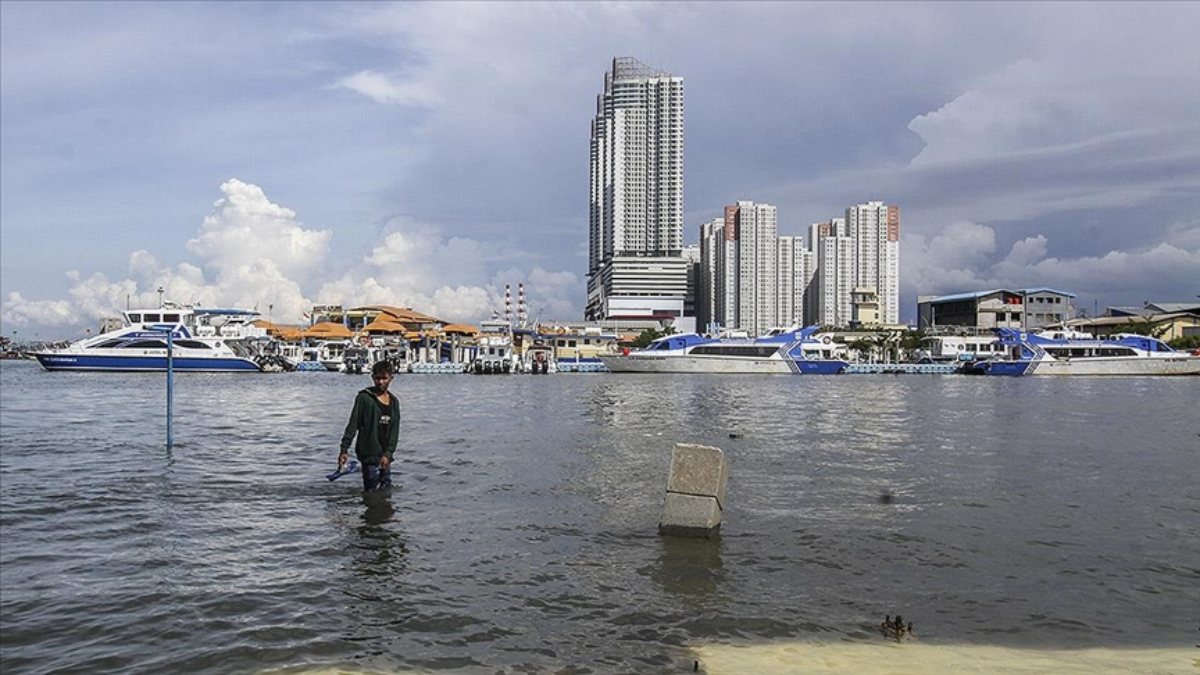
(495, 350)
(779, 351)
(1080, 354)
(208, 340)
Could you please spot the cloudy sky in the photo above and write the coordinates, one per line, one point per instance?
(426, 155)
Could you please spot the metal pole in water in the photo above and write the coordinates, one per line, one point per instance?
(170, 386)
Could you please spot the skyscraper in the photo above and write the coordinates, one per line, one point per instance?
(758, 281)
(875, 229)
(712, 237)
(835, 274)
(796, 268)
(636, 197)
(846, 274)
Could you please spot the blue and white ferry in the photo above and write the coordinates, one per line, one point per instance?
(1069, 353)
(205, 340)
(779, 351)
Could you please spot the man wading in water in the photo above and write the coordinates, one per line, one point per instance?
(376, 420)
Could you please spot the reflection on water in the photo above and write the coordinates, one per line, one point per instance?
(690, 569)
(379, 548)
(1027, 517)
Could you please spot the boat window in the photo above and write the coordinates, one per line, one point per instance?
(108, 344)
(151, 318)
(145, 344)
(752, 351)
(135, 318)
(191, 344)
(171, 318)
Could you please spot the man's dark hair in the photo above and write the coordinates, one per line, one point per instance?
(382, 368)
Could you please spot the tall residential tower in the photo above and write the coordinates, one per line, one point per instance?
(636, 202)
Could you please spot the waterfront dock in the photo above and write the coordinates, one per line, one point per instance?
(902, 369)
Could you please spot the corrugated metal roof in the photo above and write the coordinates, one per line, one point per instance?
(1031, 291)
(970, 296)
(979, 294)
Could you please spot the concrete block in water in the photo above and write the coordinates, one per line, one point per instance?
(695, 491)
(690, 516)
(698, 470)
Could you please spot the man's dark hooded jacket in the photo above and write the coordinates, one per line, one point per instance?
(364, 419)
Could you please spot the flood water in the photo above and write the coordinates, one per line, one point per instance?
(995, 513)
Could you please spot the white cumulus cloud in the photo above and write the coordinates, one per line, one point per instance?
(20, 311)
(380, 89)
(963, 257)
(246, 229)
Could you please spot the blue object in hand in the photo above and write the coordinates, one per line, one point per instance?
(351, 467)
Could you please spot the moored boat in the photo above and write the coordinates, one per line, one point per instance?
(780, 351)
(206, 340)
(1063, 353)
(495, 351)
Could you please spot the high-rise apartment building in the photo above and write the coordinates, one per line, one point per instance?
(847, 271)
(712, 237)
(797, 268)
(636, 200)
(875, 229)
(835, 276)
(757, 235)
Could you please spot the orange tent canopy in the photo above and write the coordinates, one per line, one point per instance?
(327, 329)
(287, 333)
(383, 324)
(461, 329)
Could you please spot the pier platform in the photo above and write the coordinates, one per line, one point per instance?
(902, 369)
(581, 367)
(436, 368)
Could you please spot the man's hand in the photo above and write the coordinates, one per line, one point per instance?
(343, 457)
(384, 462)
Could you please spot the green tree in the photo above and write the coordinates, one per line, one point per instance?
(649, 335)
(1142, 327)
(1185, 342)
(864, 347)
(911, 339)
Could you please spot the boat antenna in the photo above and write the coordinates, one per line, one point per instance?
(160, 296)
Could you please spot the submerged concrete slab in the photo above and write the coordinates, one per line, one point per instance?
(690, 516)
(698, 470)
(695, 491)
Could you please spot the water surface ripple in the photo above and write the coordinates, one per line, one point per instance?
(521, 535)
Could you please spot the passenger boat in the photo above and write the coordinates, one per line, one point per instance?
(1067, 353)
(537, 359)
(331, 352)
(580, 352)
(356, 360)
(495, 351)
(305, 359)
(820, 355)
(208, 340)
(958, 348)
(779, 351)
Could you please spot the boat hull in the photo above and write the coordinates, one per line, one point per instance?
(821, 366)
(644, 363)
(1100, 366)
(96, 362)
